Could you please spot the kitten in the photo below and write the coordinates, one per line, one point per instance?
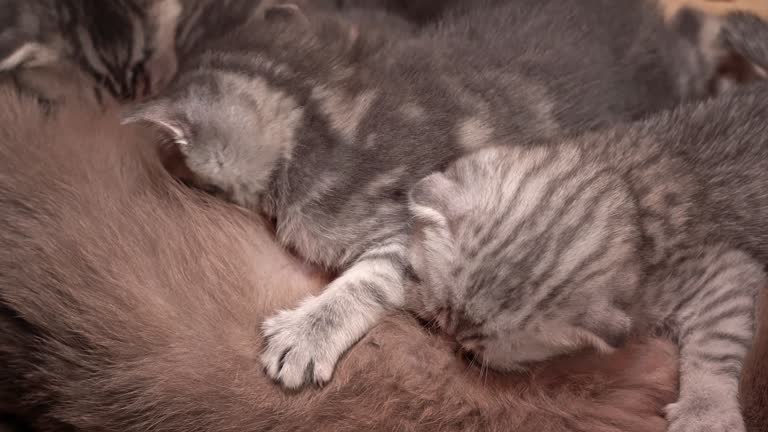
(128, 304)
(323, 127)
(127, 46)
(527, 253)
(132, 47)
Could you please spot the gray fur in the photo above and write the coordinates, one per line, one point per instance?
(132, 47)
(324, 126)
(127, 46)
(527, 253)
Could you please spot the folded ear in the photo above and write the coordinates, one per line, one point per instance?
(430, 200)
(162, 115)
(716, 50)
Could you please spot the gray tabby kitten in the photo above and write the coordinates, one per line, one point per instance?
(324, 127)
(526, 253)
(131, 47)
(117, 42)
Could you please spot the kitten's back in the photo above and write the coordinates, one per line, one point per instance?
(602, 61)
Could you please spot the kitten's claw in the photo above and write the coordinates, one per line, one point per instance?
(704, 413)
(302, 346)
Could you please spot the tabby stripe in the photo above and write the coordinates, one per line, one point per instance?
(566, 239)
(492, 230)
(725, 296)
(698, 289)
(740, 340)
(556, 291)
(594, 274)
(711, 321)
(551, 186)
(718, 358)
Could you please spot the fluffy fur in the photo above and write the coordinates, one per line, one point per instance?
(324, 126)
(127, 46)
(524, 254)
(132, 47)
(129, 303)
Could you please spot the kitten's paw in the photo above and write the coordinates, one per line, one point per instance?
(704, 414)
(304, 344)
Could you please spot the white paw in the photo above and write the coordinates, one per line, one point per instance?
(304, 344)
(704, 413)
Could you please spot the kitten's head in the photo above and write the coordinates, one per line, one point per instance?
(230, 130)
(523, 255)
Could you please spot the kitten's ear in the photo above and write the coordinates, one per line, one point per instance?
(714, 55)
(431, 199)
(163, 116)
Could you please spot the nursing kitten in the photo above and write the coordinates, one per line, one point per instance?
(127, 46)
(324, 127)
(524, 253)
(132, 47)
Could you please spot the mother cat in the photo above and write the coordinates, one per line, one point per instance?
(324, 127)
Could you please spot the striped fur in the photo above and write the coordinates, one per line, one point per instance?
(127, 46)
(324, 126)
(524, 254)
(131, 47)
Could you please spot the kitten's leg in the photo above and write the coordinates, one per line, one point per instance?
(304, 344)
(716, 323)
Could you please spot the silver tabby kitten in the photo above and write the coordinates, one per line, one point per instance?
(132, 47)
(526, 253)
(325, 126)
(127, 46)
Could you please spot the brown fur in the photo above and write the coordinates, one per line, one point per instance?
(129, 303)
